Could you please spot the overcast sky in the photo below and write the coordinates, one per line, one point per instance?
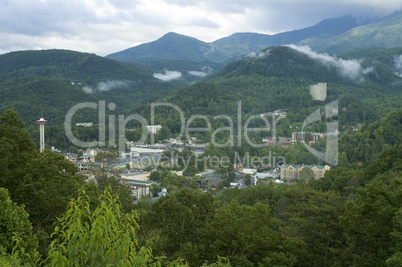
(106, 26)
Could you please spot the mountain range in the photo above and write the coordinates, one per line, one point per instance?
(330, 35)
(333, 36)
(279, 77)
(261, 70)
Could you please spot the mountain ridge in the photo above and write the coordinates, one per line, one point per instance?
(230, 47)
(384, 33)
(328, 27)
(71, 65)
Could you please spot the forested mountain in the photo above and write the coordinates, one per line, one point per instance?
(244, 43)
(280, 77)
(383, 33)
(176, 52)
(330, 35)
(191, 57)
(171, 46)
(33, 95)
(84, 68)
(388, 58)
(175, 46)
(55, 80)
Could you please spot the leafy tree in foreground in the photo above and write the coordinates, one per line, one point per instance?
(16, 234)
(313, 216)
(396, 235)
(43, 182)
(106, 174)
(372, 222)
(173, 224)
(16, 148)
(103, 237)
(249, 235)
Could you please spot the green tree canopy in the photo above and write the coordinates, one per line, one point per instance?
(104, 237)
(16, 229)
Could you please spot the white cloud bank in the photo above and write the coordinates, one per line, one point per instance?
(197, 73)
(351, 69)
(257, 55)
(168, 75)
(398, 65)
(106, 86)
(206, 70)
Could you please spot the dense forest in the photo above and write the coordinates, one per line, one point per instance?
(52, 216)
(55, 80)
(279, 78)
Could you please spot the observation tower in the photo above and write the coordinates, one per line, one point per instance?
(41, 123)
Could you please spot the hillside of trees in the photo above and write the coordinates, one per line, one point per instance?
(280, 78)
(275, 78)
(380, 33)
(371, 139)
(72, 66)
(32, 96)
(56, 80)
(52, 216)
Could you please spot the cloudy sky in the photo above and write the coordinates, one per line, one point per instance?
(106, 26)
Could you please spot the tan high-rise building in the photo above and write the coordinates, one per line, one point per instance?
(290, 173)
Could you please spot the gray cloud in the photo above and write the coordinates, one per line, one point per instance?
(106, 86)
(257, 55)
(197, 73)
(40, 17)
(206, 70)
(88, 90)
(112, 84)
(398, 65)
(168, 75)
(107, 26)
(203, 22)
(351, 69)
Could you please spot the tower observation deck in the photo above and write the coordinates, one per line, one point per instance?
(41, 123)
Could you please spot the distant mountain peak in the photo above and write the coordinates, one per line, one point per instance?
(171, 46)
(175, 35)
